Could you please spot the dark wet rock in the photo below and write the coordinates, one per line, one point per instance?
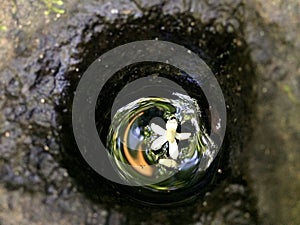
(45, 59)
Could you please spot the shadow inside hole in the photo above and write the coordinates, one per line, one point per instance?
(134, 72)
(185, 83)
(226, 60)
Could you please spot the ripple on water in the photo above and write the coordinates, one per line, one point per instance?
(160, 139)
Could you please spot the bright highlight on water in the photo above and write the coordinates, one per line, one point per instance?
(161, 138)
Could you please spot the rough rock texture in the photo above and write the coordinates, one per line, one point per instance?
(274, 149)
(39, 58)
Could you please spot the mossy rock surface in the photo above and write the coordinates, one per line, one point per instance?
(251, 47)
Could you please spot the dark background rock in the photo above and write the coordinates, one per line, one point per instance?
(42, 55)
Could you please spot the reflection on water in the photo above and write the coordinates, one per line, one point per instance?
(159, 139)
